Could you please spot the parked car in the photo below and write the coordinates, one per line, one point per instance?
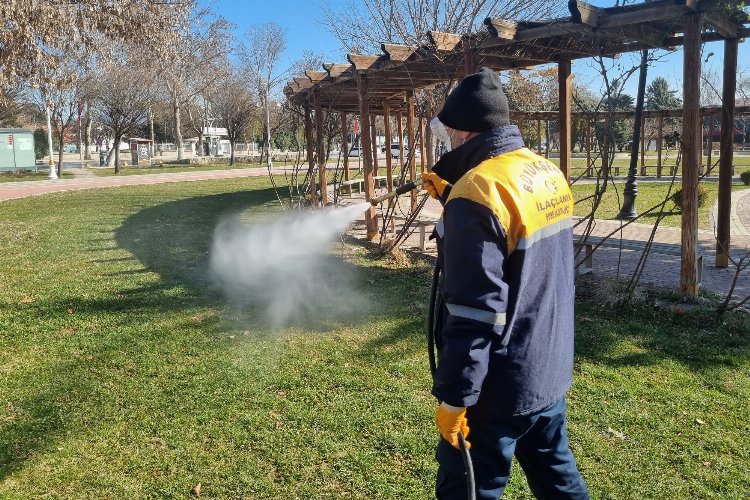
(396, 151)
(355, 151)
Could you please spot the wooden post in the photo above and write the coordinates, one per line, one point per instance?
(310, 160)
(429, 146)
(422, 152)
(411, 144)
(319, 147)
(388, 139)
(470, 65)
(606, 167)
(726, 152)
(400, 129)
(643, 145)
(539, 136)
(709, 163)
(691, 153)
(659, 143)
(345, 148)
(564, 79)
(371, 216)
(546, 135)
(374, 138)
(589, 169)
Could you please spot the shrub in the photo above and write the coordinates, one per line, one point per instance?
(745, 177)
(702, 196)
(41, 147)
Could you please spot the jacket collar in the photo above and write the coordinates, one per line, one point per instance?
(454, 164)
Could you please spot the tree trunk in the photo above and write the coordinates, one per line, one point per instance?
(232, 142)
(177, 128)
(118, 136)
(151, 126)
(61, 151)
(87, 135)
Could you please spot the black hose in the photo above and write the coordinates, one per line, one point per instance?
(433, 309)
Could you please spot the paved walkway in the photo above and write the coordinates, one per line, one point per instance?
(662, 270)
(22, 189)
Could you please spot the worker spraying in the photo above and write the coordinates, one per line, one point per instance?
(503, 321)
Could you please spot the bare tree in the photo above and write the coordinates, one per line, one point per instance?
(40, 34)
(362, 26)
(189, 67)
(261, 53)
(234, 104)
(122, 103)
(11, 105)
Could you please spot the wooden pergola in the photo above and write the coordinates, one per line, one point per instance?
(590, 118)
(384, 84)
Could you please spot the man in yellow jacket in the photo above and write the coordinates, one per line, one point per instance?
(505, 328)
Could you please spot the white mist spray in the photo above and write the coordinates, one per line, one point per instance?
(284, 265)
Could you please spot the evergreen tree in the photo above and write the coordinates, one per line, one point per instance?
(660, 96)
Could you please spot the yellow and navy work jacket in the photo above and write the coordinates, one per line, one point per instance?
(505, 326)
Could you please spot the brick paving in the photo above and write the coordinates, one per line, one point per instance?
(660, 270)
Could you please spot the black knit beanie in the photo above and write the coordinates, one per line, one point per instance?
(477, 104)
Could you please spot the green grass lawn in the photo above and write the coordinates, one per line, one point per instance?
(42, 174)
(125, 374)
(173, 168)
(649, 195)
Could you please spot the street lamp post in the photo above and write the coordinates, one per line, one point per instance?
(630, 191)
(52, 173)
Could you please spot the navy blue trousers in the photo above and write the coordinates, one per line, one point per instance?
(540, 444)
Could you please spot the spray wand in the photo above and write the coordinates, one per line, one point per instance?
(399, 190)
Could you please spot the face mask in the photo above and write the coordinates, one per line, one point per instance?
(440, 133)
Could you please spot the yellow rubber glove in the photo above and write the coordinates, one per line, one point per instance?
(434, 184)
(451, 420)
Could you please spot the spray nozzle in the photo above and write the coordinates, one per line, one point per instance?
(409, 186)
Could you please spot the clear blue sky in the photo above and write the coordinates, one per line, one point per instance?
(302, 21)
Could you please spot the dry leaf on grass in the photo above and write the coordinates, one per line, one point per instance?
(197, 490)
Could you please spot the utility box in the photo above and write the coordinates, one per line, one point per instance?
(140, 151)
(17, 149)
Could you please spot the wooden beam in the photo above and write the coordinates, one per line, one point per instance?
(691, 133)
(398, 52)
(645, 34)
(319, 146)
(303, 83)
(552, 30)
(444, 42)
(722, 24)
(726, 153)
(371, 216)
(584, 13)
(645, 12)
(411, 145)
(564, 80)
(336, 70)
(315, 76)
(362, 62)
(501, 30)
